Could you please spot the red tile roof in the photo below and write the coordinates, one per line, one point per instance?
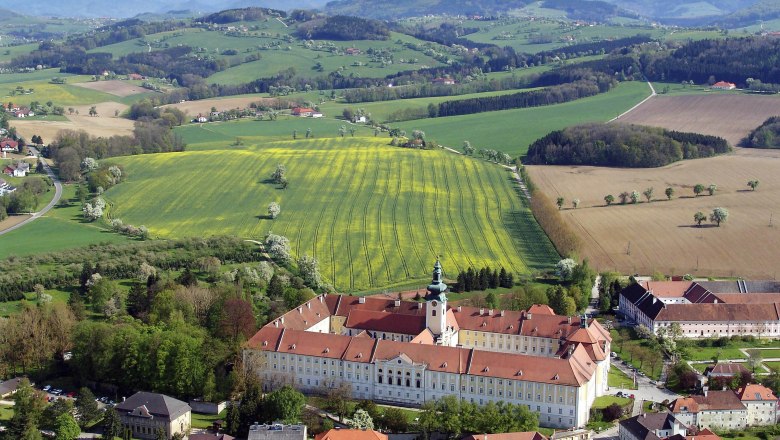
(727, 369)
(704, 434)
(385, 322)
(755, 392)
(713, 401)
(532, 435)
(351, 434)
(541, 309)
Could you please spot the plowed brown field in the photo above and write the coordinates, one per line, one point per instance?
(729, 116)
(661, 235)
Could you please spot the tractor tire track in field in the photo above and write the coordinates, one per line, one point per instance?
(349, 224)
(322, 212)
(492, 225)
(302, 228)
(365, 223)
(438, 221)
(333, 227)
(395, 219)
(409, 218)
(449, 216)
(423, 205)
(516, 218)
(379, 224)
(460, 208)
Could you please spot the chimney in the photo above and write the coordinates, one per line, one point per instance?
(398, 303)
(362, 300)
(481, 312)
(460, 309)
(276, 323)
(300, 309)
(568, 318)
(716, 301)
(281, 319)
(321, 297)
(584, 321)
(308, 305)
(503, 313)
(419, 305)
(490, 312)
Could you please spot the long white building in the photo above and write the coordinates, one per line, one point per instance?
(407, 353)
(705, 309)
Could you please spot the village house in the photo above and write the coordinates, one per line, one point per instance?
(705, 309)
(753, 405)
(729, 369)
(302, 111)
(145, 413)
(408, 352)
(8, 145)
(351, 434)
(445, 81)
(8, 388)
(723, 85)
(761, 404)
(135, 77)
(19, 169)
(352, 51)
(651, 426)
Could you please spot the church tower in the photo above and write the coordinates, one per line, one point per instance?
(436, 307)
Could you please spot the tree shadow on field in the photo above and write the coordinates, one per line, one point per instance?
(263, 217)
(745, 191)
(698, 227)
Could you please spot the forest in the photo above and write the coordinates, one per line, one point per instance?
(621, 145)
(343, 28)
(766, 135)
(245, 14)
(706, 61)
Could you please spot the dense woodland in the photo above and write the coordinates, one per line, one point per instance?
(245, 14)
(343, 28)
(767, 135)
(621, 145)
(730, 59)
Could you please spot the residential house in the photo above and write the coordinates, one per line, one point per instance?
(145, 413)
(317, 114)
(650, 426)
(135, 77)
(528, 435)
(352, 51)
(19, 169)
(729, 369)
(277, 431)
(302, 111)
(360, 120)
(761, 404)
(9, 145)
(408, 352)
(705, 309)
(9, 387)
(351, 434)
(715, 409)
(5, 188)
(445, 81)
(723, 85)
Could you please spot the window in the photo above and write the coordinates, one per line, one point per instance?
(433, 312)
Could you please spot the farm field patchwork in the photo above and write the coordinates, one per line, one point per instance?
(662, 235)
(728, 115)
(114, 87)
(373, 215)
(105, 124)
(512, 131)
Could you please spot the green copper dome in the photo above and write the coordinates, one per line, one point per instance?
(437, 288)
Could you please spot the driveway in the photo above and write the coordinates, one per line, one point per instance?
(47, 208)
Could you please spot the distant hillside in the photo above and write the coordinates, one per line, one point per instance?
(5, 14)
(390, 9)
(681, 9)
(110, 8)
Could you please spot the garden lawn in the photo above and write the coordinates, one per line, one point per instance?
(618, 379)
(707, 353)
(769, 353)
(631, 349)
(605, 401)
(772, 364)
(6, 412)
(371, 214)
(204, 421)
(512, 131)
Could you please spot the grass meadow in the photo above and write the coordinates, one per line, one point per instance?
(512, 131)
(373, 215)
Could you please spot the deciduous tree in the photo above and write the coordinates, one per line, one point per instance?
(719, 215)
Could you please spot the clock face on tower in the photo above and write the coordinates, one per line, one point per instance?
(434, 303)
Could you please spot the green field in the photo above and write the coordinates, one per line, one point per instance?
(59, 94)
(769, 353)
(373, 215)
(618, 379)
(60, 229)
(605, 401)
(512, 131)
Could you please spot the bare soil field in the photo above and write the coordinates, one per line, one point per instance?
(193, 108)
(662, 235)
(113, 87)
(729, 116)
(105, 124)
(13, 220)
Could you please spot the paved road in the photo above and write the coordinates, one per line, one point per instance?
(47, 208)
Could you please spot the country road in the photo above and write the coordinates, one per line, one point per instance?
(47, 208)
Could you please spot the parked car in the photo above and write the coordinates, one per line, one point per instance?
(631, 396)
(47, 388)
(56, 391)
(71, 394)
(619, 394)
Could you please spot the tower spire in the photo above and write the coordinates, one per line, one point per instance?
(437, 288)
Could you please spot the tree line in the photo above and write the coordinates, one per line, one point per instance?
(621, 145)
(729, 59)
(21, 274)
(26, 198)
(343, 28)
(483, 279)
(766, 135)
